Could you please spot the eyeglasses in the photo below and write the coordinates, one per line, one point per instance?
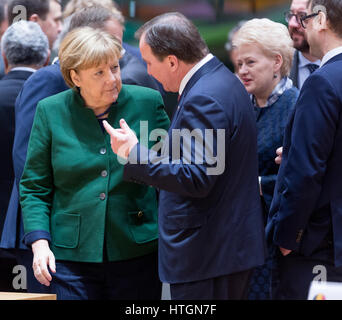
(304, 20)
(289, 15)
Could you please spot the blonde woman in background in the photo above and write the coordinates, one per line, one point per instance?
(264, 52)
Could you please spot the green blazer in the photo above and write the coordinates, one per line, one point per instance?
(72, 187)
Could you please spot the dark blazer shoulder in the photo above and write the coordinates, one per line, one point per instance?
(328, 70)
(326, 76)
(10, 86)
(134, 89)
(133, 71)
(57, 100)
(216, 82)
(17, 75)
(51, 69)
(208, 70)
(139, 93)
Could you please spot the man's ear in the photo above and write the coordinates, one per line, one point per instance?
(173, 62)
(321, 22)
(34, 18)
(75, 78)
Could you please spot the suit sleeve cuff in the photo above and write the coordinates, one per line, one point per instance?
(133, 168)
(33, 236)
(138, 155)
(286, 238)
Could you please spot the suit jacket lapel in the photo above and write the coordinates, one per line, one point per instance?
(208, 67)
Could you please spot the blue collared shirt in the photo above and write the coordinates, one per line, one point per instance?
(303, 71)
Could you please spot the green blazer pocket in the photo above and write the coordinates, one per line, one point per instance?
(143, 225)
(65, 230)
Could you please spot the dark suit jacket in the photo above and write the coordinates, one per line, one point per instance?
(209, 225)
(133, 51)
(294, 69)
(133, 71)
(307, 202)
(10, 86)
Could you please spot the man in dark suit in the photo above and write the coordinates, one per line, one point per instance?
(303, 62)
(305, 219)
(211, 231)
(25, 49)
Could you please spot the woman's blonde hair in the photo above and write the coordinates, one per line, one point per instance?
(273, 38)
(84, 48)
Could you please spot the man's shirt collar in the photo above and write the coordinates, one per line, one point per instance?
(189, 75)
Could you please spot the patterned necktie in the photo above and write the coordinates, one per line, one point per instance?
(312, 67)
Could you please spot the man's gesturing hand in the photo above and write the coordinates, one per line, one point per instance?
(122, 140)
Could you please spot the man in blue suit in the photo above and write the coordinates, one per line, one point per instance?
(305, 220)
(211, 231)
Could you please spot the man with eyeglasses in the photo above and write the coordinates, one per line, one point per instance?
(304, 64)
(305, 222)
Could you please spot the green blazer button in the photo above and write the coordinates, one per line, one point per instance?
(140, 214)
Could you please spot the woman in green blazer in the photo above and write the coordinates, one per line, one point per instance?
(93, 235)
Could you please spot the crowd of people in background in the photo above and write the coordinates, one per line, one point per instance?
(93, 211)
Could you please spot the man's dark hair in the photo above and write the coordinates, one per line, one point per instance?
(2, 10)
(334, 13)
(39, 7)
(174, 34)
(94, 17)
